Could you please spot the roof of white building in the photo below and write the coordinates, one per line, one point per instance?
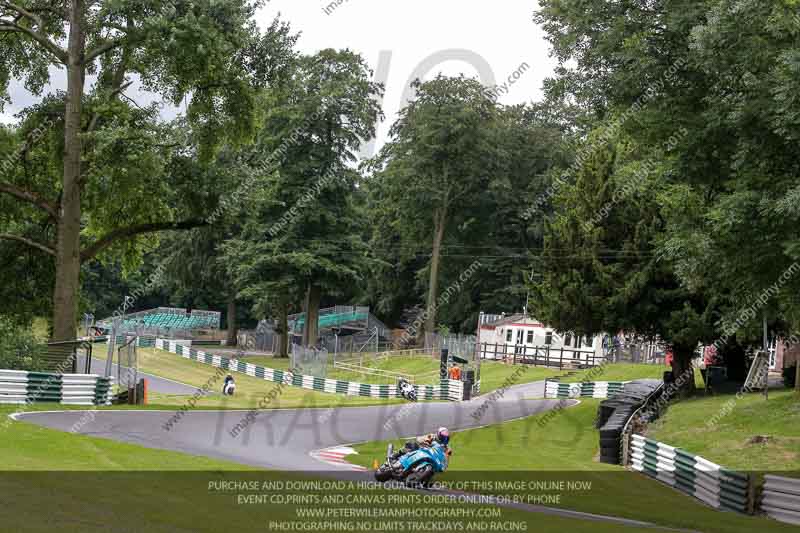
(518, 318)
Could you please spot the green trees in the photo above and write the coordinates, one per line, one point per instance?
(600, 267)
(208, 50)
(716, 77)
(301, 236)
(431, 174)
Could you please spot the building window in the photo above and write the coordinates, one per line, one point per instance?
(568, 340)
(588, 341)
(508, 335)
(577, 341)
(529, 340)
(548, 338)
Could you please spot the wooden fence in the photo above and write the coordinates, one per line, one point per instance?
(540, 355)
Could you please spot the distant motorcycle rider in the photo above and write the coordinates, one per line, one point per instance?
(229, 386)
(442, 436)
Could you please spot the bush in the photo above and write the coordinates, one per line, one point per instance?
(789, 375)
(19, 349)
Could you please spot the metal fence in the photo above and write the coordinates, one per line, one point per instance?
(264, 338)
(309, 361)
(641, 352)
(352, 345)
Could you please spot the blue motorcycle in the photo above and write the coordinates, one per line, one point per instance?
(415, 468)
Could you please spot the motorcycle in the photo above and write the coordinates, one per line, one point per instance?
(229, 387)
(417, 467)
(407, 390)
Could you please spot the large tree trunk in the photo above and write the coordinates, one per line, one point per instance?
(311, 327)
(433, 283)
(283, 329)
(68, 265)
(682, 369)
(232, 327)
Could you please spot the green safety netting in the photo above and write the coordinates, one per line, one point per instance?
(332, 320)
(173, 321)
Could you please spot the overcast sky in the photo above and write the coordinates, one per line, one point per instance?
(401, 40)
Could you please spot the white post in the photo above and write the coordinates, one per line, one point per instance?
(766, 355)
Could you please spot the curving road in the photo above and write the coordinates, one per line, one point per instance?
(284, 438)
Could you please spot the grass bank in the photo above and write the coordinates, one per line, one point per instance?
(250, 391)
(723, 429)
(565, 448)
(74, 483)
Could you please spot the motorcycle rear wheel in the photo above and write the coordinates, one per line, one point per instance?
(383, 474)
(420, 478)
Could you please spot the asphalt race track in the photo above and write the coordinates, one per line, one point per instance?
(284, 439)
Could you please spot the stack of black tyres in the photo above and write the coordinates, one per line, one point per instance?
(614, 413)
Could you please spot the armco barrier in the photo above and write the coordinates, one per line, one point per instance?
(586, 389)
(718, 487)
(20, 387)
(780, 499)
(446, 390)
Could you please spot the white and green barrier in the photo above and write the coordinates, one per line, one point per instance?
(585, 389)
(446, 390)
(780, 498)
(717, 486)
(20, 387)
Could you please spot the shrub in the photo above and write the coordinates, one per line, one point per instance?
(19, 349)
(789, 375)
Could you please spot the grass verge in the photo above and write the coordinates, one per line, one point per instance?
(51, 479)
(250, 391)
(564, 449)
(721, 429)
